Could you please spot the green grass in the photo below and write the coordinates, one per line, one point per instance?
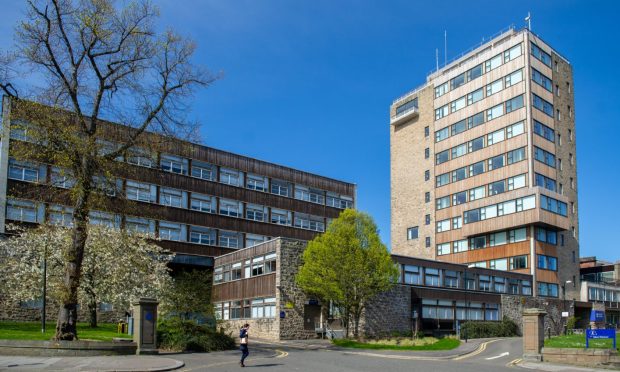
(578, 341)
(32, 331)
(441, 344)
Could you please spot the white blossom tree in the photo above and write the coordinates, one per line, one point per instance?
(117, 267)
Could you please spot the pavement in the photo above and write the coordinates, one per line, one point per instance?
(479, 355)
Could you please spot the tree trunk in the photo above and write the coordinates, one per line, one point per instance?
(92, 312)
(66, 325)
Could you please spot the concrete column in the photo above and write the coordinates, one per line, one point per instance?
(145, 325)
(533, 334)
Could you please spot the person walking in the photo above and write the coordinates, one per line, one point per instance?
(243, 335)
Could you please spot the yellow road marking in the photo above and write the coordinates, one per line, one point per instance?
(278, 354)
(480, 349)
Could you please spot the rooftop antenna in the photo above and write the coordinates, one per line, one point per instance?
(445, 47)
(437, 57)
(528, 19)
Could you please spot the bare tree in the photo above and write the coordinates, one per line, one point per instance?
(98, 62)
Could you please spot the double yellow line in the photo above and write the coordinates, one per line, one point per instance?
(480, 349)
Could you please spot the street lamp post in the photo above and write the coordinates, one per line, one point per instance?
(564, 303)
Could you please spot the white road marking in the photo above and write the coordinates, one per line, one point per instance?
(498, 356)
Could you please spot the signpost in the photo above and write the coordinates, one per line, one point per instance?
(598, 334)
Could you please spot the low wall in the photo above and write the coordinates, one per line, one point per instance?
(262, 328)
(65, 348)
(513, 306)
(582, 357)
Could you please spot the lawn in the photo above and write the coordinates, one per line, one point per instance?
(578, 341)
(32, 331)
(425, 344)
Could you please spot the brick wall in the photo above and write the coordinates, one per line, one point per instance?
(513, 306)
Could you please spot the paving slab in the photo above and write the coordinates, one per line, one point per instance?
(100, 363)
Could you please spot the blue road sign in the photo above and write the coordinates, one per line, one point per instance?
(598, 334)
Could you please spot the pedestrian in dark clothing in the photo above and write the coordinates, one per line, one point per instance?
(243, 335)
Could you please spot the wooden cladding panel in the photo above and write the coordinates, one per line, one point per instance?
(260, 286)
(418, 294)
(490, 253)
(547, 276)
(193, 249)
(247, 253)
(197, 185)
(48, 194)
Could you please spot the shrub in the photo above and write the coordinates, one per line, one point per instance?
(186, 335)
(571, 324)
(478, 329)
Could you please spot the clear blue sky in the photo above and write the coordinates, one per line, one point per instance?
(308, 84)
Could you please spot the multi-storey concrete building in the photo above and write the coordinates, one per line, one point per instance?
(483, 164)
(202, 202)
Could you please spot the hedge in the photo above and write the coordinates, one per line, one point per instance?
(480, 329)
(187, 335)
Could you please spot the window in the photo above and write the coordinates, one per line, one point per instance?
(459, 198)
(514, 104)
(443, 225)
(412, 274)
(459, 150)
(457, 81)
(104, 185)
(526, 288)
(541, 55)
(412, 233)
(427, 219)
(255, 212)
(493, 63)
(427, 153)
(427, 197)
(459, 174)
(515, 130)
(140, 157)
(441, 112)
(102, 219)
(457, 104)
(475, 96)
(309, 194)
(451, 278)
(517, 235)
(553, 205)
(139, 225)
(457, 222)
(477, 193)
(475, 72)
(478, 242)
(441, 90)
(202, 203)
(542, 80)
(427, 175)
(202, 235)
(230, 208)
(23, 171)
(252, 239)
(512, 53)
(443, 249)
(305, 221)
(23, 131)
(338, 201)
(495, 112)
(498, 238)
(173, 164)
(170, 231)
(60, 177)
(280, 217)
(516, 182)
(545, 182)
(547, 289)
(443, 202)
(204, 171)
(60, 215)
(571, 159)
(428, 242)
(476, 144)
(546, 236)
(140, 191)
(426, 131)
(484, 282)
(230, 177)
(496, 162)
(280, 187)
(171, 197)
(406, 107)
(547, 262)
(442, 134)
(491, 311)
(515, 156)
(431, 277)
(230, 239)
(495, 137)
(542, 105)
(444, 179)
(476, 168)
(514, 78)
(460, 246)
(458, 127)
(544, 131)
(495, 87)
(518, 262)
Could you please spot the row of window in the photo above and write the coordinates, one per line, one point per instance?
(258, 265)
(547, 262)
(150, 193)
(206, 171)
(493, 188)
(479, 94)
(29, 211)
(602, 294)
(432, 277)
(500, 209)
(552, 205)
(479, 143)
(541, 55)
(547, 236)
(542, 105)
(479, 70)
(480, 118)
(540, 79)
(480, 167)
(547, 289)
(544, 131)
(459, 310)
(406, 107)
(256, 308)
(544, 157)
(483, 241)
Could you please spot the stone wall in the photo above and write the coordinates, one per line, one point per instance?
(289, 297)
(582, 357)
(388, 313)
(260, 328)
(13, 311)
(513, 306)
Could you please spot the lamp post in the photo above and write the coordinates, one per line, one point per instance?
(44, 294)
(564, 302)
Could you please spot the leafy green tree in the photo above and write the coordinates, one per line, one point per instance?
(188, 295)
(348, 265)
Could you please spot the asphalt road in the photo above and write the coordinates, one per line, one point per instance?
(496, 357)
